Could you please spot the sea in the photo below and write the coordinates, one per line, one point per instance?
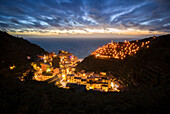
(80, 47)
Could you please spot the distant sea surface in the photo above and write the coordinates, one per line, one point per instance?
(80, 47)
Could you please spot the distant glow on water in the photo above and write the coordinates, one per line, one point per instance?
(78, 47)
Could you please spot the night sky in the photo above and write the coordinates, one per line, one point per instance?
(85, 18)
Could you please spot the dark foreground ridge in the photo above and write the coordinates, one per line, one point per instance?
(17, 51)
(40, 97)
(150, 67)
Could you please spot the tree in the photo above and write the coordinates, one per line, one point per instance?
(55, 62)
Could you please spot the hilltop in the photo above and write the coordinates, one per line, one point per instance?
(17, 51)
(149, 67)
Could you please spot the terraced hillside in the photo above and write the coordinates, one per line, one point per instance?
(149, 67)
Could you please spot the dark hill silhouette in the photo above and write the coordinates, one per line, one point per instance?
(42, 97)
(14, 50)
(148, 68)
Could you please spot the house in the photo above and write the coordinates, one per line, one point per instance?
(56, 71)
(44, 77)
(70, 77)
(44, 66)
(105, 88)
(77, 79)
(83, 81)
(105, 79)
(103, 73)
(96, 75)
(51, 55)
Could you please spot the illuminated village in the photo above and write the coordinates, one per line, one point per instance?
(64, 74)
(120, 50)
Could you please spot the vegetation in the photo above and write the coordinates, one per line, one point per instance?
(55, 62)
(148, 68)
(47, 73)
(16, 51)
(40, 97)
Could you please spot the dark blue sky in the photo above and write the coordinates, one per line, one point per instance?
(85, 17)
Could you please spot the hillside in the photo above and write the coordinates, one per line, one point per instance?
(149, 67)
(40, 97)
(14, 50)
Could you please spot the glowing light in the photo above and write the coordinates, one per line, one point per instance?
(91, 87)
(48, 70)
(97, 55)
(119, 50)
(112, 85)
(12, 67)
(116, 85)
(28, 57)
(63, 76)
(67, 70)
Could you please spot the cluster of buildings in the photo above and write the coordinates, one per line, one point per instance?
(94, 81)
(65, 76)
(120, 50)
(44, 67)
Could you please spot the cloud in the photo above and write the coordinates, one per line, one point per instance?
(12, 31)
(4, 25)
(43, 15)
(15, 21)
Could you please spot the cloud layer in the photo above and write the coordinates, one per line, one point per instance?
(62, 17)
